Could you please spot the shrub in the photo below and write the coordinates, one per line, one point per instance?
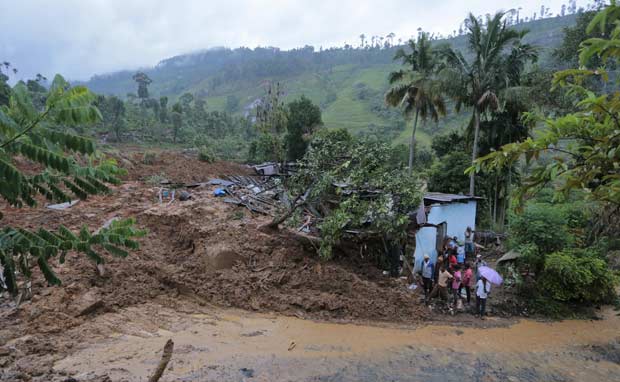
(155, 179)
(266, 148)
(206, 155)
(200, 140)
(541, 224)
(577, 275)
(149, 157)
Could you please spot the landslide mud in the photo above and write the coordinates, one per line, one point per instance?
(203, 251)
(202, 257)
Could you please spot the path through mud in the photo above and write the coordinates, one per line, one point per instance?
(237, 346)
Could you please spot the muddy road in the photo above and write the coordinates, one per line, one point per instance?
(233, 345)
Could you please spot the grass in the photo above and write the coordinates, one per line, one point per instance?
(421, 137)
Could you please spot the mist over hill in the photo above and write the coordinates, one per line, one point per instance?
(347, 82)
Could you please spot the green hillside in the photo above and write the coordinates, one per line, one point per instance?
(348, 83)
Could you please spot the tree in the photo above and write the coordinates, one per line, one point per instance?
(177, 120)
(5, 88)
(143, 82)
(232, 103)
(583, 144)
(498, 59)
(362, 39)
(271, 122)
(117, 107)
(113, 113)
(185, 100)
(338, 167)
(448, 173)
(415, 88)
(36, 135)
(567, 54)
(163, 109)
(304, 118)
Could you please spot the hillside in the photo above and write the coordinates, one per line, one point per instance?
(348, 84)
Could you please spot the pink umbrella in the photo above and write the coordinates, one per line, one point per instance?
(491, 275)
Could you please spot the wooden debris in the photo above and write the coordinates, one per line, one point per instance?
(163, 363)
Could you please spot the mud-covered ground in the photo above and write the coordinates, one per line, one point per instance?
(213, 344)
(199, 256)
(201, 250)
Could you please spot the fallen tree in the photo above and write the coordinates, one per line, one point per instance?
(354, 189)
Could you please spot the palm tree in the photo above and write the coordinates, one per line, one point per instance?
(498, 59)
(416, 88)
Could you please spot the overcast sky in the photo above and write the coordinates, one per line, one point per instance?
(79, 38)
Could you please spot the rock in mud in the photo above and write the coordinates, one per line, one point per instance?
(221, 256)
(87, 303)
(248, 373)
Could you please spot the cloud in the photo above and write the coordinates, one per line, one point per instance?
(79, 38)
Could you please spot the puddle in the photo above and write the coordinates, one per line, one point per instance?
(241, 346)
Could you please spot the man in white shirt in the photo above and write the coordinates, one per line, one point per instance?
(483, 288)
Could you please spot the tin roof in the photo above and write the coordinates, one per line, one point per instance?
(440, 197)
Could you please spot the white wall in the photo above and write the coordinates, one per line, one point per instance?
(425, 240)
(458, 217)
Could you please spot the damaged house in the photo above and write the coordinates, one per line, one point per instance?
(442, 215)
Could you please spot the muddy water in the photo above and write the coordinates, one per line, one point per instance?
(237, 346)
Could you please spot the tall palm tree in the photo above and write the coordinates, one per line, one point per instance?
(416, 88)
(498, 58)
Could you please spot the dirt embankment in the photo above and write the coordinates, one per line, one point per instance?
(202, 250)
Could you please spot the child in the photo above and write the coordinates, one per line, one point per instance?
(456, 283)
(452, 260)
(468, 276)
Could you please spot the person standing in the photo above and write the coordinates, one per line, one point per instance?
(483, 288)
(428, 275)
(452, 260)
(460, 255)
(438, 266)
(468, 275)
(453, 243)
(456, 284)
(441, 288)
(469, 243)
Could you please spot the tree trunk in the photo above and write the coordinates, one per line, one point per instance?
(474, 151)
(495, 200)
(299, 201)
(412, 143)
(506, 204)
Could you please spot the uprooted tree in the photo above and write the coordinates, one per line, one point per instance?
(68, 167)
(349, 185)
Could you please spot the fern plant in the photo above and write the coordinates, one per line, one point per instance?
(68, 167)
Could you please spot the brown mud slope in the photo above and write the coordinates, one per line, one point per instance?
(201, 251)
(174, 166)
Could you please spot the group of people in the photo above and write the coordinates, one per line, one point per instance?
(453, 274)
